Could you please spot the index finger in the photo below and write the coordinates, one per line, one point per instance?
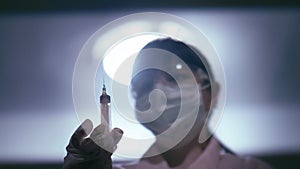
(81, 132)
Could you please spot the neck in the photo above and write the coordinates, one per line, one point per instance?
(183, 156)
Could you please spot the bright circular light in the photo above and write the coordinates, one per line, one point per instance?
(122, 51)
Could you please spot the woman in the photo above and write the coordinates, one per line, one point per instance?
(173, 99)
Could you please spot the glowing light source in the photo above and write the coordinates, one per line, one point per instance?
(121, 52)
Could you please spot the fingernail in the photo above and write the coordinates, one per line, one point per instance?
(118, 130)
(117, 134)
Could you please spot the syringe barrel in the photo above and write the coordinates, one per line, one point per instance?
(105, 110)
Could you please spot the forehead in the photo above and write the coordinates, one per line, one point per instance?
(183, 76)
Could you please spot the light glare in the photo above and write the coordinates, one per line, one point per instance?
(121, 52)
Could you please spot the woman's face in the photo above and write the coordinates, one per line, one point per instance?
(169, 86)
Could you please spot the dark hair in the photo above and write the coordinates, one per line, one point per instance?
(143, 81)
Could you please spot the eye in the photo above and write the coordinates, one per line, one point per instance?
(166, 78)
(170, 79)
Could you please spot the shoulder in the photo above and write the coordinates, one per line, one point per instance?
(233, 161)
(216, 156)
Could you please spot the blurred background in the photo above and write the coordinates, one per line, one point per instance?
(257, 42)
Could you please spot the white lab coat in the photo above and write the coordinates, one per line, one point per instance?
(213, 157)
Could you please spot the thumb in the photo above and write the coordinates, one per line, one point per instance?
(117, 134)
(106, 140)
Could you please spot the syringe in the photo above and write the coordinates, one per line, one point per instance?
(105, 109)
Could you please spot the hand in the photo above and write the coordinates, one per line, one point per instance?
(93, 152)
